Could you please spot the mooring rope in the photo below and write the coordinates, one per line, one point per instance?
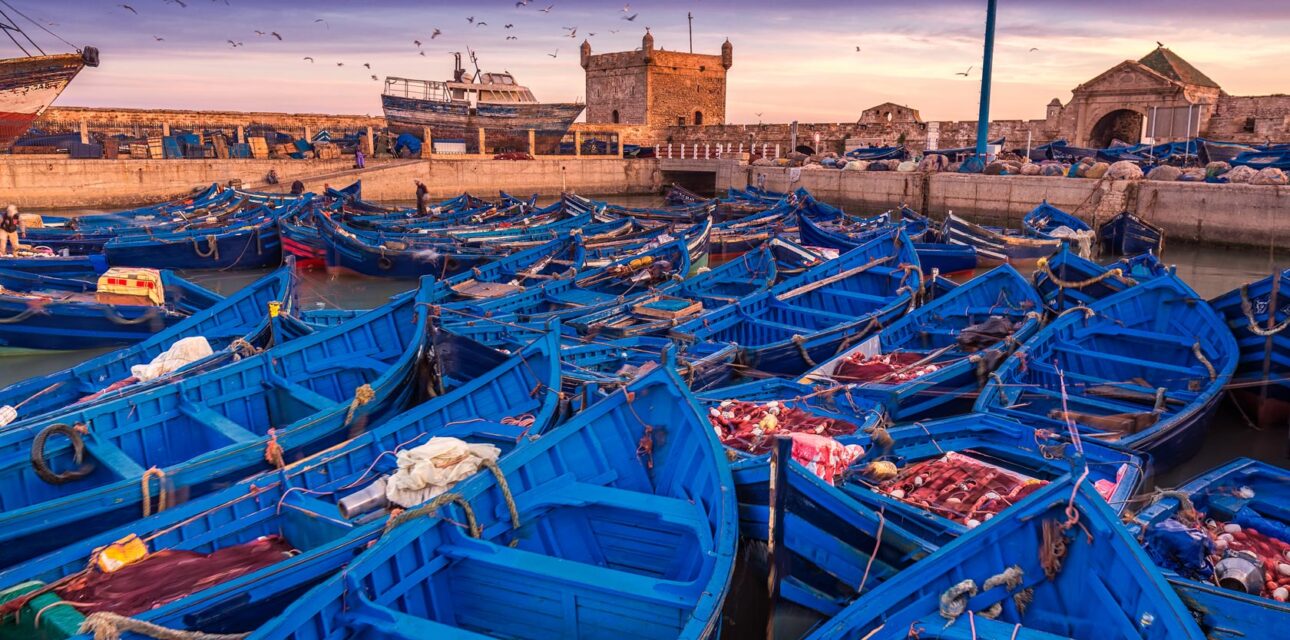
(362, 395)
(1200, 355)
(431, 507)
(1044, 267)
(491, 465)
(212, 247)
(106, 625)
(146, 487)
(1248, 310)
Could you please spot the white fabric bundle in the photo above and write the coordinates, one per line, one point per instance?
(183, 352)
(434, 467)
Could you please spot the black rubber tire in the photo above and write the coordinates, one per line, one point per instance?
(78, 448)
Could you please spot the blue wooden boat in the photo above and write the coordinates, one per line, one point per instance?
(203, 432)
(211, 196)
(996, 246)
(245, 244)
(810, 317)
(626, 528)
(320, 508)
(395, 258)
(1056, 565)
(1144, 369)
(1180, 531)
(1127, 235)
(935, 358)
(932, 255)
(676, 302)
(824, 548)
(986, 453)
(1050, 223)
(1067, 280)
(243, 315)
(80, 267)
(603, 366)
(553, 260)
(45, 312)
(1258, 314)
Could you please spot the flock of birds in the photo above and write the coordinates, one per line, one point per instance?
(570, 32)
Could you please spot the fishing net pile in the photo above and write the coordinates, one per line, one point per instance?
(954, 486)
(976, 337)
(752, 427)
(891, 368)
(1249, 553)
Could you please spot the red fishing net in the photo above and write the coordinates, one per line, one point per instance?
(960, 488)
(890, 368)
(1273, 554)
(752, 427)
(168, 575)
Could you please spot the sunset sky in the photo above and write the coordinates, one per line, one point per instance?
(793, 60)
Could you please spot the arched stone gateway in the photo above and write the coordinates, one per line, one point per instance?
(1122, 124)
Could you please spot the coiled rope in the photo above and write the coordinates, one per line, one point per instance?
(431, 507)
(146, 487)
(106, 625)
(212, 247)
(1248, 310)
(1044, 267)
(362, 395)
(1200, 355)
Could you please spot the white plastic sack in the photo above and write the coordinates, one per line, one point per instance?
(181, 353)
(7, 414)
(434, 467)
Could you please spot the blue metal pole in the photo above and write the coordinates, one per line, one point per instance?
(987, 68)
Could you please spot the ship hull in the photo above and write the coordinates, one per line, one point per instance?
(28, 86)
(506, 126)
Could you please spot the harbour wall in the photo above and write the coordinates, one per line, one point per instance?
(49, 182)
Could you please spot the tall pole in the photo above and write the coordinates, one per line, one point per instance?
(689, 16)
(987, 68)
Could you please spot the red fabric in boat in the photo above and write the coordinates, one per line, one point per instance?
(960, 488)
(862, 369)
(168, 575)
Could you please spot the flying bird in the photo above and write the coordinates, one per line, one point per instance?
(340, 64)
(374, 76)
(591, 33)
(311, 60)
(614, 30)
(158, 38)
(1034, 49)
(367, 64)
(416, 42)
(178, 2)
(435, 33)
(325, 23)
(128, 8)
(471, 19)
(547, 9)
(276, 35)
(509, 26)
(627, 7)
(1159, 43)
(511, 38)
(857, 49)
(964, 73)
(631, 18)
(480, 23)
(260, 33)
(557, 52)
(423, 54)
(523, 3)
(234, 44)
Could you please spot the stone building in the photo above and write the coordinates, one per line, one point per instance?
(656, 88)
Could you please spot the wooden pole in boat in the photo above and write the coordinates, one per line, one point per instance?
(532, 143)
(776, 554)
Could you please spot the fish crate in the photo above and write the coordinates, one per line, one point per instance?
(667, 308)
(327, 151)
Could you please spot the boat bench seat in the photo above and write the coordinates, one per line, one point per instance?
(1076, 401)
(670, 510)
(205, 415)
(370, 620)
(1146, 336)
(783, 327)
(1135, 362)
(302, 393)
(861, 297)
(111, 456)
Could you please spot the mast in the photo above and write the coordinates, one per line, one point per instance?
(987, 68)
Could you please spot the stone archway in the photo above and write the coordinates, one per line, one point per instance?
(1121, 124)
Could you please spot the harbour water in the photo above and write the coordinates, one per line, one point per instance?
(1210, 270)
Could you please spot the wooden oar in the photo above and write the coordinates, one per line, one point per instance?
(812, 286)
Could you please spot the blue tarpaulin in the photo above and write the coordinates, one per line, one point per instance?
(409, 142)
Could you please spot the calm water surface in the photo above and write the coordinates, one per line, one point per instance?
(1210, 270)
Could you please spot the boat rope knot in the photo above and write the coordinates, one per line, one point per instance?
(1053, 551)
(1209, 366)
(955, 600)
(431, 507)
(362, 395)
(243, 349)
(273, 452)
(212, 248)
(146, 488)
(1186, 508)
(106, 625)
(502, 484)
(1248, 310)
(800, 342)
(1088, 313)
(1010, 579)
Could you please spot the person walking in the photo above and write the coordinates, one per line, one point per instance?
(422, 195)
(10, 226)
(359, 160)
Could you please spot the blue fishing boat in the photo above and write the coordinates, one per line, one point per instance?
(1222, 577)
(811, 317)
(934, 359)
(675, 302)
(76, 472)
(824, 548)
(603, 366)
(251, 243)
(347, 251)
(310, 518)
(1050, 223)
(45, 312)
(996, 246)
(1056, 565)
(940, 478)
(1144, 369)
(1127, 235)
(1067, 280)
(628, 510)
(80, 267)
(1258, 314)
(243, 315)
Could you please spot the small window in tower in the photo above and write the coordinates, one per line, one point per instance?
(613, 116)
(680, 121)
(1249, 125)
(698, 117)
(888, 116)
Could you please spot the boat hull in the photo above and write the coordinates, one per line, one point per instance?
(1129, 235)
(28, 86)
(505, 125)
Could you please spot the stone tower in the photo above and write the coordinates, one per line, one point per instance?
(656, 88)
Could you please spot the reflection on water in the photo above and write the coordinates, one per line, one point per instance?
(1210, 270)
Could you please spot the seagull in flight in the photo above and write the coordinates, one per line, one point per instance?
(340, 64)
(857, 49)
(631, 18)
(158, 38)
(523, 3)
(1034, 49)
(471, 19)
(547, 9)
(310, 59)
(423, 54)
(325, 23)
(260, 33)
(178, 2)
(128, 8)
(557, 52)
(374, 77)
(627, 7)
(435, 34)
(509, 26)
(233, 44)
(276, 35)
(480, 23)
(367, 64)
(416, 42)
(511, 38)
(964, 73)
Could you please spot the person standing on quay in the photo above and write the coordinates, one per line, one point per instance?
(10, 225)
(422, 194)
(359, 160)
